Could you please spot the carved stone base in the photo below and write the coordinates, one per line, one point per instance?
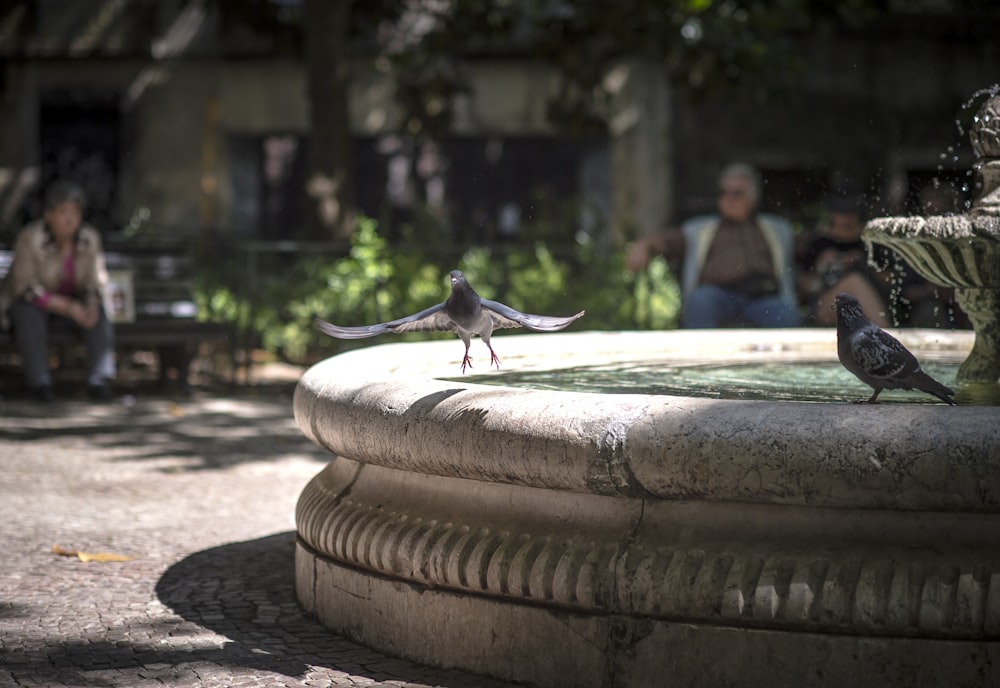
(546, 646)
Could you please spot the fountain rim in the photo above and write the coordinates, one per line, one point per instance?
(907, 228)
(385, 405)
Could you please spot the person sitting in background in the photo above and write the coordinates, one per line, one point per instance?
(737, 265)
(837, 261)
(57, 279)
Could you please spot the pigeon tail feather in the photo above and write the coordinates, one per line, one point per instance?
(925, 383)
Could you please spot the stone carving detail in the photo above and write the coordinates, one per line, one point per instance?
(867, 590)
(985, 131)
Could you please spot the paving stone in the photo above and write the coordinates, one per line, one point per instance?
(202, 493)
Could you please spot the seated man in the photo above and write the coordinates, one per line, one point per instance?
(56, 279)
(737, 265)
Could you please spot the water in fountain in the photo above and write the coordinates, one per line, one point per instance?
(806, 380)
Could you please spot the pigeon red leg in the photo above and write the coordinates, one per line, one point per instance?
(466, 361)
(494, 359)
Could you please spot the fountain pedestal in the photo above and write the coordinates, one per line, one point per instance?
(983, 308)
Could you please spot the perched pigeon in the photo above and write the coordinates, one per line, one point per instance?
(465, 313)
(876, 357)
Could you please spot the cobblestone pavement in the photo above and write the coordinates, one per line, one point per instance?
(201, 493)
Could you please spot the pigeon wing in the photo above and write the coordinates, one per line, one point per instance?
(505, 316)
(431, 319)
(881, 355)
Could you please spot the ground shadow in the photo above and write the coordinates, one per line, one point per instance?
(234, 621)
(210, 431)
(245, 591)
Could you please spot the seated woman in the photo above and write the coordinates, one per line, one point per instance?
(837, 261)
(57, 278)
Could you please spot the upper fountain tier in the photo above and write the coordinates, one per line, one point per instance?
(963, 250)
(960, 250)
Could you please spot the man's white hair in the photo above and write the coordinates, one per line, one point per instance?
(744, 171)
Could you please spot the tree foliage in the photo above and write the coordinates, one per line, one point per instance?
(743, 46)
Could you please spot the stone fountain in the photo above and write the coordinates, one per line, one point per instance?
(600, 540)
(963, 251)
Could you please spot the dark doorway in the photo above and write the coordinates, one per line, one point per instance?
(80, 139)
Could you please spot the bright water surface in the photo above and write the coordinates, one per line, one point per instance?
(784, 381)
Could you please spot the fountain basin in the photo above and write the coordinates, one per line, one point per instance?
(949, 250)
(961, 251)
(562, 538)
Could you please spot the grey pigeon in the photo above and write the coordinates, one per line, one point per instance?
(464, 312)
(876, 357)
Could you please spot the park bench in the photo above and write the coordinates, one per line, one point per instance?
(151, 306)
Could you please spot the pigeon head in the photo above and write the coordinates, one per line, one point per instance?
(463, 298)
(848, 309)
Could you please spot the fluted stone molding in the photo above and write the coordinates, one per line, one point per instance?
(949, 250)
(664, 560)
(491, 516)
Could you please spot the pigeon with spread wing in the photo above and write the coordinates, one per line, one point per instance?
(464, 312)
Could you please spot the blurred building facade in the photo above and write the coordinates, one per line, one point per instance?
(175, 119)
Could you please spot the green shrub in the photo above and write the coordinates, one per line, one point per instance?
(375, 282)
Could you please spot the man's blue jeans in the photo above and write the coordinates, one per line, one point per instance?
(711, 306)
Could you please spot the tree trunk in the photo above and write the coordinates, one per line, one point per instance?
(330, 183)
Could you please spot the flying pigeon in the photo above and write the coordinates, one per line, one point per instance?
(876, 357)
(464, 312)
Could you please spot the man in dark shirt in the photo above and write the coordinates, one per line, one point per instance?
(737, 264)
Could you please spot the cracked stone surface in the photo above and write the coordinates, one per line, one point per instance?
(202, 494)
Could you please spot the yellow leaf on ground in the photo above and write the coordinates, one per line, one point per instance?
(90, 556)
(102, 556)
